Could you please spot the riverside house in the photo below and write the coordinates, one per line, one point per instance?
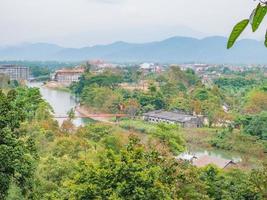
(67, 76)
(185, 120)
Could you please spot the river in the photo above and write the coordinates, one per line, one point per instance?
(62, 102)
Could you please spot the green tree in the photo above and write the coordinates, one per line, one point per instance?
(232, 185)
(17, 151)
(71, 114)
(257, 126)
(134, 174)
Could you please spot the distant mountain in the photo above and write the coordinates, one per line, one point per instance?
(172, 50)
(27, 51)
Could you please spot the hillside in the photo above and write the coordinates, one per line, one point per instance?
(175, 49)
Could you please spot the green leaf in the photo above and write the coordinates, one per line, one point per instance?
(252, 16)
(236, 32)
(258, 17)
(265, 42)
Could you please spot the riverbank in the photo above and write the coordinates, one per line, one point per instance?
(85, 111)
(56, 86)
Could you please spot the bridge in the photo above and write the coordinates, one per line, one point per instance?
(99, 115)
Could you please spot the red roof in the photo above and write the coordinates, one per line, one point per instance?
(70, 71)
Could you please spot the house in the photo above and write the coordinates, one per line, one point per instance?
(67, 76)
(185, 120)
(150, 67)
(187, 157)
(204, 160)
(15, 72)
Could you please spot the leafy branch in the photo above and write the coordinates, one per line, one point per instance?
(255, 20)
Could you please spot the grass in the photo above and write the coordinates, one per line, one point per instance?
(199, 137)
(138, 125)
(63, 89)
(168, 135)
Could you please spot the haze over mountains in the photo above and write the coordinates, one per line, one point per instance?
(171, 50)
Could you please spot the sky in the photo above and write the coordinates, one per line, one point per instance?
(78, 23)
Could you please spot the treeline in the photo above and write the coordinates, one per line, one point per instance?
(18, 153)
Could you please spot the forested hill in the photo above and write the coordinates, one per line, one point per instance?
(175, 49)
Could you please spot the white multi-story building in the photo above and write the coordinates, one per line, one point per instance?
(15, 72)
(68, 76)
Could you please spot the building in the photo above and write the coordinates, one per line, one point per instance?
(185, 120)
(99, 65)
(15, 72)
(205, 160)
(150, 67)
(67, 76)
(186, 157)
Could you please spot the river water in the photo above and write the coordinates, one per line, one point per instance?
(62, 102)
(216, 153)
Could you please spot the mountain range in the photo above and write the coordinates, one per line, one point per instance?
(172, 50)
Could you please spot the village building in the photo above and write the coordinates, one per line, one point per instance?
(15, 72)
(185, 120)
(204, 160)
(100, 66)
(67, 76)
(150, 67)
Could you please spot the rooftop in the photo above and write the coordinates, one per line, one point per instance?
(206, 160)
(6, 66)
(173, 116)
(186, 156)
(70, 71)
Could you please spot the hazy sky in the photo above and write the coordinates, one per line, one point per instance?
(78, 23)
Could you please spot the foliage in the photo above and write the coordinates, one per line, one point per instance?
(71, 114)
(30, 99)
(133, 174)
(167, 134)
(37, 71)
(229, 185)
(256, 19)
(236, 83)
(18, 154)
(102, 98)
(237, 141)
(236, 32)
(95, 132)
(257, 126)
(105, 79)
(255, 102)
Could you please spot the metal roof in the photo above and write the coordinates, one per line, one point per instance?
(206, 160)
(171, 116)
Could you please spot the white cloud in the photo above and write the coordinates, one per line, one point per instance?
(83, 22)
